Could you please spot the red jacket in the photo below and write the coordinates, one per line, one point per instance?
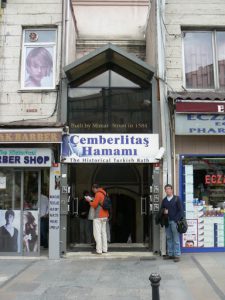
(99, 198)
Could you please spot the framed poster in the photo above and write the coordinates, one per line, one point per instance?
(38, 59)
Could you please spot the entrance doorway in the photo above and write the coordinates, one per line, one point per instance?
(123, 219)
(128, 187)
(20, 209)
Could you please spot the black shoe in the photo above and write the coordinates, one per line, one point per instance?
(168, 257)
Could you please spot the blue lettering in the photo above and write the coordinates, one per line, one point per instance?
(203, 117)
(26, 159)
(221, 130)
(40, 160)
(146, 142)
(17, 160)
(32, 160)
(102, 140)
(87, 151)
(211, 130)
(75, 139)
(110, 140)
(46, 159)
(215, 117)
(11, 159)
(191, 117)
(201, 130)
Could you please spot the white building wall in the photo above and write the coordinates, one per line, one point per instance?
(121, 22)
(17, 104)
(192, 13)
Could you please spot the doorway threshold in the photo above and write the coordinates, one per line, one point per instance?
(112, 247)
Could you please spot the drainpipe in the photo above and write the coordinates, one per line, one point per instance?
(164, 110)
(63, 119)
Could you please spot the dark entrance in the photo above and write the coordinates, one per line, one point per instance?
(128, 187)
(123, 220)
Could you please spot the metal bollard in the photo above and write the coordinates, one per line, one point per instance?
(155, 279)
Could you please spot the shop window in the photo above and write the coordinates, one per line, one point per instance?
(204, 59)
(38, 59)
(204, 194)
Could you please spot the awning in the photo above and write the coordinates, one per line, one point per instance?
(199, 102)
(193, 96)
(106, 58)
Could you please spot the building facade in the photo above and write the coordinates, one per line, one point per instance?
(194, 88)
(33, 52)
(112, 90)
(111, 103)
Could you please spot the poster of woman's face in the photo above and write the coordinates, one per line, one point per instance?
(30, 231)
(9, 230)
(38, 67)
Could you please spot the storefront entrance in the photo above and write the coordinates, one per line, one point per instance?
(111, 138)
(128, 187)
(20, 194)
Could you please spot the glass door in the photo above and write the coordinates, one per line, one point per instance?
(30, 212)
(20, 191)
(10, 211)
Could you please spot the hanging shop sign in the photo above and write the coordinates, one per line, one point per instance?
(30, 157)
(200, 107)
(109, 148)
(200, 124)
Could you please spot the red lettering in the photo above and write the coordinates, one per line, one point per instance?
(207, 179)
(219, 178)
(213, 179)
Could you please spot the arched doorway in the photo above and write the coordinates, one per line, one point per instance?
(122, 182)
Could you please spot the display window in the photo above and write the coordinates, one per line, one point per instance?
(202, 180)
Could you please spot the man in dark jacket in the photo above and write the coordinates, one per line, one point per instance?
(173, 208)
(85, 224)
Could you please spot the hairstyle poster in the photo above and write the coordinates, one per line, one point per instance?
(30, 231)
(9, 230)
(38, 67)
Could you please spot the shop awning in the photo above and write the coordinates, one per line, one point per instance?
(106, 58)
(198, 102)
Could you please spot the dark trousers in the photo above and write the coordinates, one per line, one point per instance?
(44, 232)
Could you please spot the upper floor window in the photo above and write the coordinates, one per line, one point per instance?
(38, 59)
(204, 57)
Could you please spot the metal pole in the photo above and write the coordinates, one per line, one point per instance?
(155, 279)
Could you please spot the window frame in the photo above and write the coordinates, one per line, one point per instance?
(27, 45)
(215, 59)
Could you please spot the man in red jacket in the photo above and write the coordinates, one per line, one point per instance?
(100, 219)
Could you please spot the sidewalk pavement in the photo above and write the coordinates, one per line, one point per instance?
(112, 276)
